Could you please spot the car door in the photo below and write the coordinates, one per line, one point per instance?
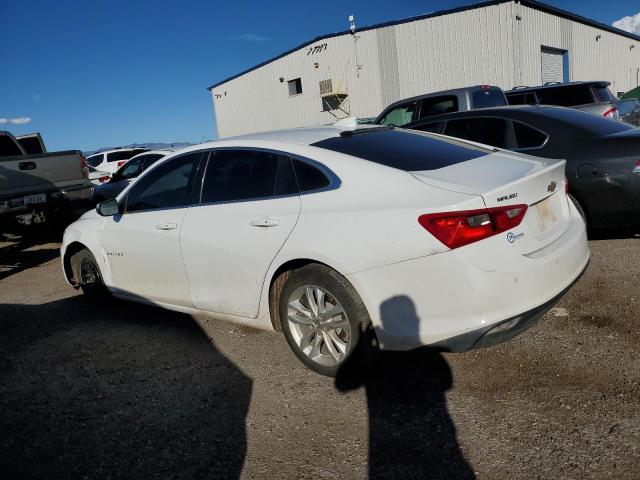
(142, 244)
(249, 206)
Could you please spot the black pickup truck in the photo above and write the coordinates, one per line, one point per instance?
(36, 185)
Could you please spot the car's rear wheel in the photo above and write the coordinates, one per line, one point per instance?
(87, 273)
(323, 319)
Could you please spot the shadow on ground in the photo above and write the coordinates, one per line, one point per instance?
(28, 248)
(117, 390)
(411, 434)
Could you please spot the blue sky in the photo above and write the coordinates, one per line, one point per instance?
(102, 73)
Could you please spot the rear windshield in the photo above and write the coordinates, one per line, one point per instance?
(566, 96)
(95, 160)
(492, 97)
(30, 145)
(588, 122)
(410, 151)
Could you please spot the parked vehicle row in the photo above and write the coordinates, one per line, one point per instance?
(341, 236)
(35, 185)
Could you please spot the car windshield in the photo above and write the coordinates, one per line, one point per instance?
(402, 149)
(94, 161)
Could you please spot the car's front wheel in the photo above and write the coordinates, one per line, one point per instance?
(323, 319)
(87, 273)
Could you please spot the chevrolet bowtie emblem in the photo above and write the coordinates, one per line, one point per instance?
(551, 187)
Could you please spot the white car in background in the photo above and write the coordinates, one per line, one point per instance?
(333, 236)
(104, 164)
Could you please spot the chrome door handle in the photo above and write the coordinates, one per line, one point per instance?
(265, 222)
(167, 226)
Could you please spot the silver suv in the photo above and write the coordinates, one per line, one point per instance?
(593, 97)
(456, 100)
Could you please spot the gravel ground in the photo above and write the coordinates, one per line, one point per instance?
(112, 389)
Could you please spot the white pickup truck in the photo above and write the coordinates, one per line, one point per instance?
(38, 186)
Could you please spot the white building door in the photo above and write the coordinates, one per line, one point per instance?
(552, 65)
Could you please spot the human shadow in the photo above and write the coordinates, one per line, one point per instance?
(411, 434)
(114, 389)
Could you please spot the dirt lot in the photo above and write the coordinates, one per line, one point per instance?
(113, 389)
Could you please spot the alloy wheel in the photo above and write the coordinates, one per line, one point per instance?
(319, 325)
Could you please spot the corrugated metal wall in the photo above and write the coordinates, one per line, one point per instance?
(379, 66)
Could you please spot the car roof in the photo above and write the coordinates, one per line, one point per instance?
(164, 151)
(124, 149)
(304, 136)
(525, 89)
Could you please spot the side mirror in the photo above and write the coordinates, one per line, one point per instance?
(108, 208)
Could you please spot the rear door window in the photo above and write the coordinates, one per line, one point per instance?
(403, 149)
(400, 115)
(438, 105)
(488, 97)
(522, 98)
(122, 155)
(236, 175)
(528, 137)
(491, 131)
(433, 127)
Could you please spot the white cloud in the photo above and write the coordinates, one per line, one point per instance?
(15, 121)
(629, 24)
(250, 37)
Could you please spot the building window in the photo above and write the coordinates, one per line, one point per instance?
(295, 87)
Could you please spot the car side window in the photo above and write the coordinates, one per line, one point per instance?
(490, 131)
(528, 137)
(150, 159)
(235, 175)
(129, 170)
(168, 186)
(95, 160)
(438, 105)
(400, 115)
(309, 177)
(433, 127)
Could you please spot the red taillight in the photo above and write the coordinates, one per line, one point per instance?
(121, 162)
(456, 229)
(566, 186)
(611, 113)
(104, 179)
(84, 167)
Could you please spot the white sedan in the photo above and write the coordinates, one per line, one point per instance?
(340, 238)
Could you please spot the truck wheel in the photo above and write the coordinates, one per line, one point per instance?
(87, 273)
(324, 320)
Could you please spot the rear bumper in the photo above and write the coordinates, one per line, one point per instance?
(70, 201)
(502, 331)
(453, 300)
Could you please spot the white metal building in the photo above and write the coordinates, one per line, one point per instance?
(501, 42)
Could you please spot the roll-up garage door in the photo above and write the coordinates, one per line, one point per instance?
(552, 65)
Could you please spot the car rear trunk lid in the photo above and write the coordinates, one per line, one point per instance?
(504, 179)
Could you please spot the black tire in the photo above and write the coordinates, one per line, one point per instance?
(87, 273)
(361, 345)
(580, 209)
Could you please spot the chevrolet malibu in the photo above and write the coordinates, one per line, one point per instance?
(340, 237)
